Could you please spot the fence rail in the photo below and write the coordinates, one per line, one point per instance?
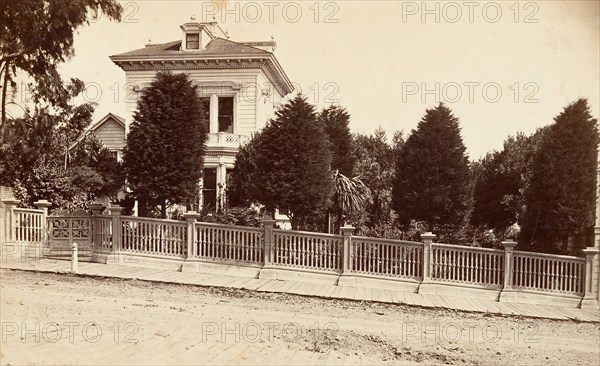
(307, 250)
(468, 265)
(393, 258)
(228, 243)
(548, 273)
(151, 236)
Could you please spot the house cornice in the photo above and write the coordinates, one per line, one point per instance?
(268, 63)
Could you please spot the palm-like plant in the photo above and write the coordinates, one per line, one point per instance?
(349, 197)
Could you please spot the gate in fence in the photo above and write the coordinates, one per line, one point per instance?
(64, 231)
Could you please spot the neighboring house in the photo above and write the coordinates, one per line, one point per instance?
(110, 130)
(241, 85)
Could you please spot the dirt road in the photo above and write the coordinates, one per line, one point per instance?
(63, 319)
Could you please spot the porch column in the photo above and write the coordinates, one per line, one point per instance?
(200, 194)
(214, 114)
(221, 181)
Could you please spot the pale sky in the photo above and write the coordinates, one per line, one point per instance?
(376, 58)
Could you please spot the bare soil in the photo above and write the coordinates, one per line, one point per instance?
(65, 319)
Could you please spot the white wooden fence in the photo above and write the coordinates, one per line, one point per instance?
(307, 250)
(383, 257)
(549, 273)
(468, 265)
(343, 255)
(154, 237)
(225, 243)
(29, 225)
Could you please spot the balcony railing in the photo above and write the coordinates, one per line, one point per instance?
(226, 140)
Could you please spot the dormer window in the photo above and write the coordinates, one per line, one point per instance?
(192, 41)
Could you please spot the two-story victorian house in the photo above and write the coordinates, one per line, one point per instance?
(241, 84)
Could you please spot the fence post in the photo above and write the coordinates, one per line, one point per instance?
(96, 209)
(347, 249)
(268, 253)
(8, 241)
(426, 286)
(115, 213)
(10, 205)
(190, 218)
(589, 300)
(507, 294)
(42, 205)
(427, 239)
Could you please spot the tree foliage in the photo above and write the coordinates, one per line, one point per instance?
(40, 165)
(241, 187)
(286, 166)
(335, 122)
(96, 170)
(375, 166)
(350, 196)
(502, 178)
(164, 153)
(432, 172)
(561, 198)
(35, 37)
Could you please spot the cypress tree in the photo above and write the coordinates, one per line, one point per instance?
(561, 198)
(164, 154)
(503, 177)
(432, 172)
(292, 163)
(335, 124)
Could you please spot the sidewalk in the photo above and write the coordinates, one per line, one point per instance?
(309, 289)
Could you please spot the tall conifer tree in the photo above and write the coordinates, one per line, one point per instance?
(165, 148)
(561, 199)
(432, 172)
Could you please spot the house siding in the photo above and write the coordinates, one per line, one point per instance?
(112, 135)
(209, 81)
(266, 108)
